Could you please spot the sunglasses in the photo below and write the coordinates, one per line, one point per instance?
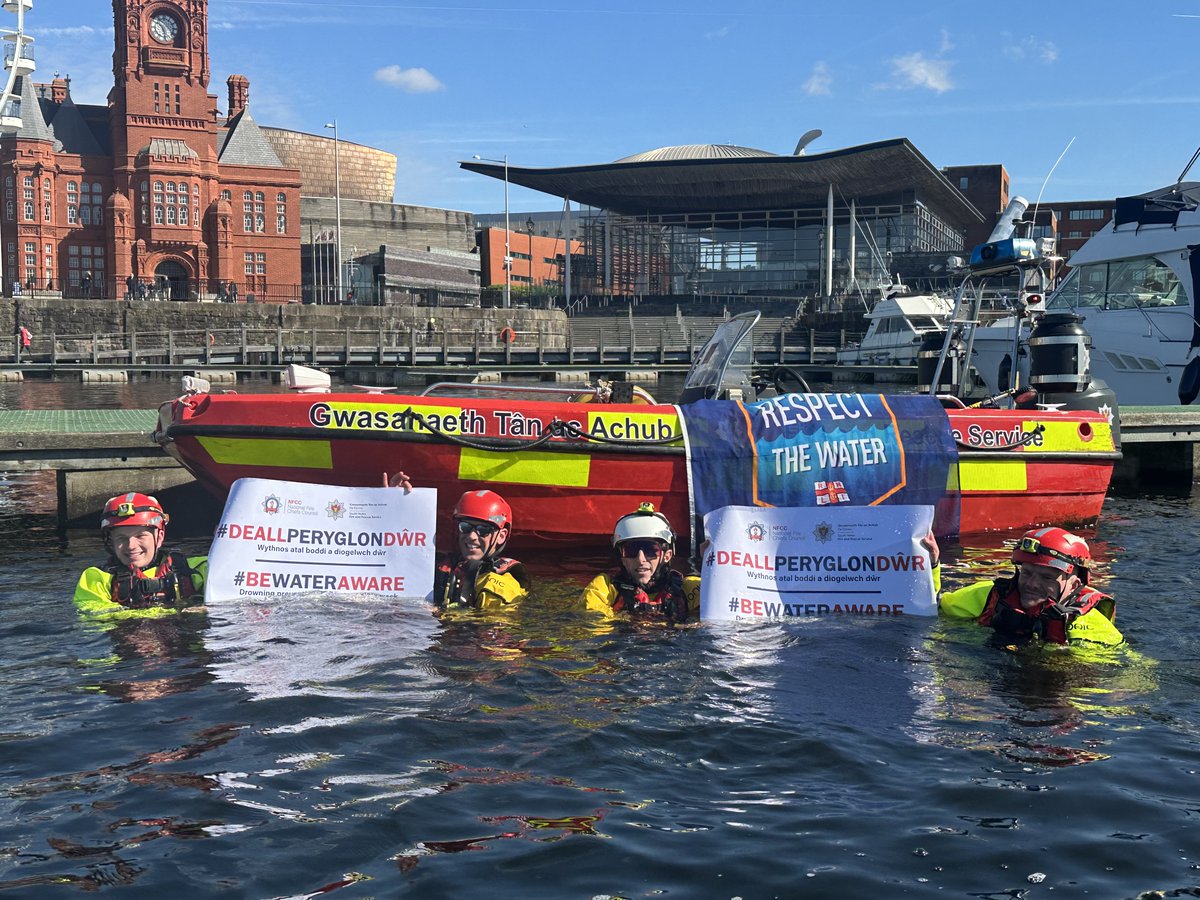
(483, 529)
(648, 549)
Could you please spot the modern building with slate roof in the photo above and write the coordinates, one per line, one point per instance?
(155, 189)
(717, 219)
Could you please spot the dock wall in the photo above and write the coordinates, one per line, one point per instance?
(113, 317)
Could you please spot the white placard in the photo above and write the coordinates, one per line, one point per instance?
(284, 537)
(766, 563)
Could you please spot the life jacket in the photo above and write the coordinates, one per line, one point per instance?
(452, 574)
(171, 584)
(1003, 612)
(663, 599)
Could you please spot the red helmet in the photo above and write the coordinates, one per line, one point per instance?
(133, 509)
(484, 506)
(1054, 547)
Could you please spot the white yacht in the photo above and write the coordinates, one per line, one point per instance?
(1134, 282)
(897, 324)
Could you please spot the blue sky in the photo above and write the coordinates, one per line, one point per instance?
(572, 83)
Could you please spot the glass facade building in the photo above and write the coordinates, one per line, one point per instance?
(720, 220)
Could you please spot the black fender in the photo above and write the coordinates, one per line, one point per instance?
(1189, 382)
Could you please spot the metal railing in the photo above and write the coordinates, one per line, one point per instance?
(273, 347)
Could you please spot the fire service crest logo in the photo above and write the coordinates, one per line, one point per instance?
(823, 532)
(335, 509)
(271, 505)
(756, 531)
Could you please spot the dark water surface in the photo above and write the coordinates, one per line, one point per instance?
(365, 749)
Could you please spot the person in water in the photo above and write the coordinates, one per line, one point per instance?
(141, 574)
(475, 575)
(644, 586)
(1047, 597)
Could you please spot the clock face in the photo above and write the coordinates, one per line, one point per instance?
(164, 28)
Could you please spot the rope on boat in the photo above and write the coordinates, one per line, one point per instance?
(1023, 442)
(556, 427)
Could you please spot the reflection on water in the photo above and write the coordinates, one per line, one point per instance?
(357, 748)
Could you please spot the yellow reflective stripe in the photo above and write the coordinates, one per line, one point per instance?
(628, 426)
(526, 467)
(987, 475)
(1061, 437)
(283, 453)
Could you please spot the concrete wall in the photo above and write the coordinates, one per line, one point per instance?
(82, 318)
(368, 226)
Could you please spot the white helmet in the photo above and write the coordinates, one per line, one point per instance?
(645, 524)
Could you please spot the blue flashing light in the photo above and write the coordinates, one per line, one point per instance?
(997, 253)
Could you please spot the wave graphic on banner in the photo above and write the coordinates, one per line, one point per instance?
(821, 450)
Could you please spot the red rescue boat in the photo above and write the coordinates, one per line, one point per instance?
(570, 468)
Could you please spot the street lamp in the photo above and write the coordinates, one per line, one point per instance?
(507, 249)
(21, 63)
(529, 226)
(337, 190)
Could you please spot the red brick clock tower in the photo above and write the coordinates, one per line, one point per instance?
(164, 128)
(158, 186)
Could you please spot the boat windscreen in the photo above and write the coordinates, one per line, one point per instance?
(724, 362)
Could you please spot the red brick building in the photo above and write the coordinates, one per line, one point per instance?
(156, 187)
(536, 260)
(1078, 220)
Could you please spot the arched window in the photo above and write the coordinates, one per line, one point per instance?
(48, 211)
(183, 215)
(97, 215)
(170, 215)
(29, 210)
(158, 186)
(86, 213)
(281, 213)
(45, 184)
(227, 195)
(158, 214)
(96, 188)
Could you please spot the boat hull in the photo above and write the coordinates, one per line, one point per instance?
(568, 490)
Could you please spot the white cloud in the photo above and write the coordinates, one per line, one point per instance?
(718, 33)
(915, 71)
(819, 82)
(947, 44)
(1030, 47)
(73, 31)
(411, 81)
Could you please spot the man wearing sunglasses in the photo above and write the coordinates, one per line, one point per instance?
(644, 586)
(1048, 596)
(476, 576)
(141, 577)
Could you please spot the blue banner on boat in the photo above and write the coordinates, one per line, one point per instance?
(818, 450)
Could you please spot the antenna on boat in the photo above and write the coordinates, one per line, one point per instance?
(1187, 168)
(1038, 202)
